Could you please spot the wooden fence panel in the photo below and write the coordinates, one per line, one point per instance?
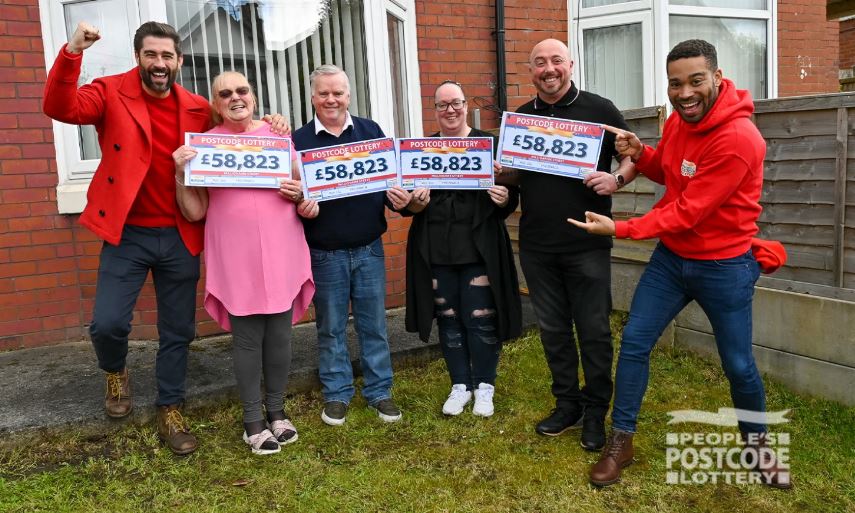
(808, 190)
(787, 124)
(638, 197)
(813, 169)
(809, 186)
(803, 148)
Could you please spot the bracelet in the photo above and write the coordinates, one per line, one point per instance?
(179, 182)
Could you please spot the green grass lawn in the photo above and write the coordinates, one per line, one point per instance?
(428, 462)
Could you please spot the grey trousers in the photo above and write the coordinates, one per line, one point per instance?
(261, 347)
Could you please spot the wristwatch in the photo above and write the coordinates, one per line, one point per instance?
(619, 180)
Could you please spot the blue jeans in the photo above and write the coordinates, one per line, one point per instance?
(466, 322)
(121, 274)
(355, 276)
(724, 290)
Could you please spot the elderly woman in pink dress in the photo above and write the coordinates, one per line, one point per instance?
(258, 269)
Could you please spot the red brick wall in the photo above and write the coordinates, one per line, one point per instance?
(456, 42)
(48, 262)
(40, 295)
(527, 24)
(395, 247)
(808, 49)
(847, 43)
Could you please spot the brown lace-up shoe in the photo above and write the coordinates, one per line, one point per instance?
(616, 455)
(117, 402)
(772, 472)
(174, 431)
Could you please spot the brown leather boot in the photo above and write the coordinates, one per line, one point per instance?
(772, 472)
(117, 402)
(174, 431)
(616, 455)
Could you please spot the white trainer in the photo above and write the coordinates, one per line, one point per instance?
(483, 400)
(457, 399)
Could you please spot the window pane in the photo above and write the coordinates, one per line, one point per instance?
(735, 4)
(740, 44)
(599, 3)
(613, 64)
(214, 39)
(399, 77)
(107, 57)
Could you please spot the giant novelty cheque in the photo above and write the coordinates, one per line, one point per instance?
(446, 162)
(224, 160)
(349, 169)
(549, 145)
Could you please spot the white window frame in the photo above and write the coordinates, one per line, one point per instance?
(379, 70)
(659, 12)
(770, 15)
(645, 18)
(75, 173)
(621, 8)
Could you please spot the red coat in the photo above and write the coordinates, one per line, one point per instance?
(116, 107)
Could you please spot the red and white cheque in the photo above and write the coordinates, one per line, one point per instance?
(349, 169)
(446, 162)
(549, 145)
(224, 160)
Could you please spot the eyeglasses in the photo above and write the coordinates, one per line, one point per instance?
(227, 93)
(456, 105)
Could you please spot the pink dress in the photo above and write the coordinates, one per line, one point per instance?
(256, 257)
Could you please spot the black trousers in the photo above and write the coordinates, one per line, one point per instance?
(568, 289)
(121, 274)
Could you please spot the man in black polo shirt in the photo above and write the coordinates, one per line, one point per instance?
(347, 261)
(567, 270)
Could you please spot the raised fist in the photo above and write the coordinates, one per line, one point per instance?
(84, 36)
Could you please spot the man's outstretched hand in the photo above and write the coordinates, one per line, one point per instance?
(596, 224)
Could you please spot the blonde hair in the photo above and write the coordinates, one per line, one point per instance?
(217, 85)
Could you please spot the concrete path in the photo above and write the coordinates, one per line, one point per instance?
(53, 388)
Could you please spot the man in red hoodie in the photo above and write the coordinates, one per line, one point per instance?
(710, 160)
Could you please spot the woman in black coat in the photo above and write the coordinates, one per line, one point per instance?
(460, 270)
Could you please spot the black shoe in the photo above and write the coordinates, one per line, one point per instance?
(387, 410)
(334, 413)
(559, 421)
(593, 433)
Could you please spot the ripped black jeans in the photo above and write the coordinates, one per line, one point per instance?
(466, 322)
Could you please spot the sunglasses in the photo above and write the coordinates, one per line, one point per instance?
(227, 93)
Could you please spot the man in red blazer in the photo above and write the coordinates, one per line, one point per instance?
(141, 117)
